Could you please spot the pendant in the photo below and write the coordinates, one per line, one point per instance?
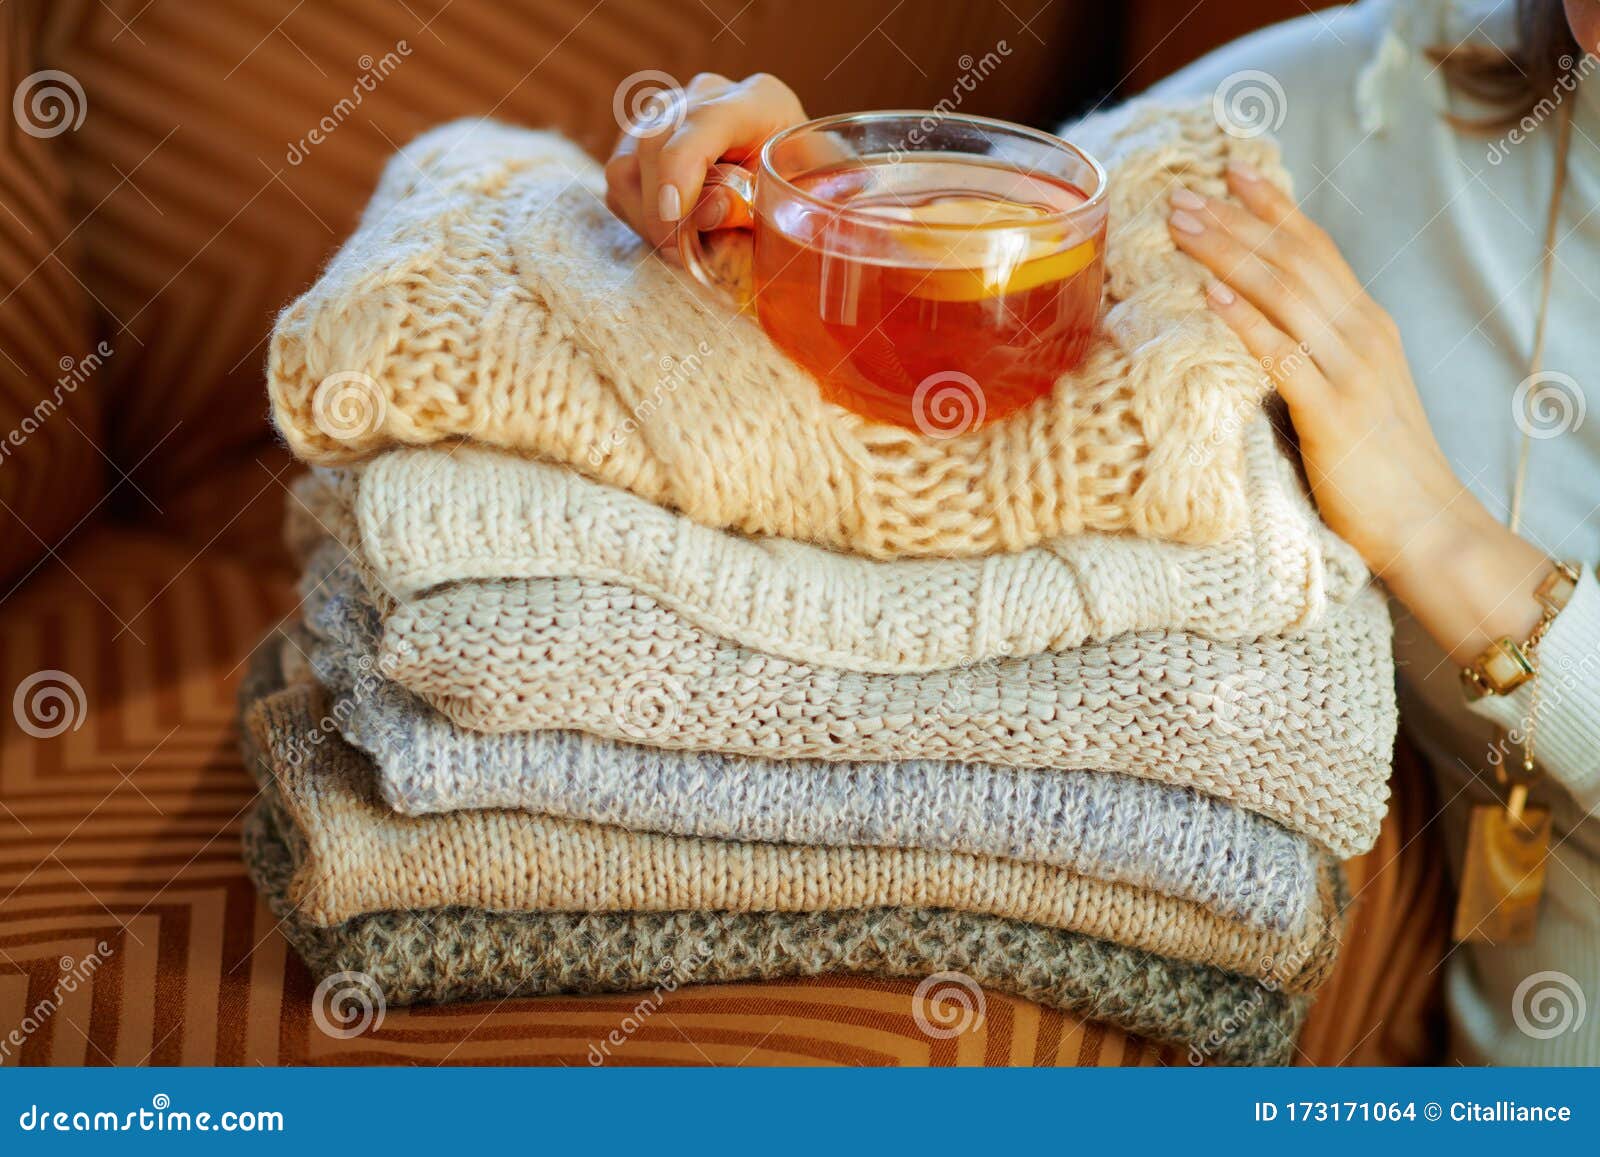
(1502, 877)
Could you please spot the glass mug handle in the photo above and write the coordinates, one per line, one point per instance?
(742, 184)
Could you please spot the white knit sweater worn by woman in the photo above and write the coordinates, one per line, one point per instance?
(1446, 231)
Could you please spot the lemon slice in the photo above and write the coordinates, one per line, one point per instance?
(974, 212)
(981, 284)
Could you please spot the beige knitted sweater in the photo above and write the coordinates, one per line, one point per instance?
(354, 857)
(489, 295)
(422, 519)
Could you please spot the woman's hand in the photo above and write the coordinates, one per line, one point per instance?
(654, 175)
(1378, 475)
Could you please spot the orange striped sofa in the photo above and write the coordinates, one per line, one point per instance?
(151, 228)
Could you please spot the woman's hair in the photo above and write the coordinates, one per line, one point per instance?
(1512, 83)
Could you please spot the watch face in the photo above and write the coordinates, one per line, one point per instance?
(1504, 666)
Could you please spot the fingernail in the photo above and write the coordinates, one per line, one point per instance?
(1187, 199)
(668, 204)
(1221, 294)
(1184, 223)
(710, 215)
(1243, 171)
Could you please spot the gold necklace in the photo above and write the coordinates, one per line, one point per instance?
(1503, 873)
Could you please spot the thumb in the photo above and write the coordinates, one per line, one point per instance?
(720, 209)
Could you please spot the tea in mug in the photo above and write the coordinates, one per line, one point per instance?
(934, 292)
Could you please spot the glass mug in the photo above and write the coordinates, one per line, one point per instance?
(936, 272)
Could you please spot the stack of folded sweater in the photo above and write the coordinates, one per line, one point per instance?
(601, 672)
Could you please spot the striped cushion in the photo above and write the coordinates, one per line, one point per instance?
(51, 358)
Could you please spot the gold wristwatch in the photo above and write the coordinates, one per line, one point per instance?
(1506, 664)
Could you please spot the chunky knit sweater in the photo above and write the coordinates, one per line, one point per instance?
(450, 954)
(1100, 824)
(353, 857)
(1298, 729)
(422, 519)
(489, 295)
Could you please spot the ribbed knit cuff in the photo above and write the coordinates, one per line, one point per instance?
(1566, 730)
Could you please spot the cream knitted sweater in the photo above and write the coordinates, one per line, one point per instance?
(422, 519)
(489, 295)
(352, 857)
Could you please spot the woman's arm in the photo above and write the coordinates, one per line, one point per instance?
(1378, 476)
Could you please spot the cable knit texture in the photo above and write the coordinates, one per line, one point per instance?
(489, 295)
(1298, 729)
(422, 519)
(1112, 827)
(353, 857)
(448, 954)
